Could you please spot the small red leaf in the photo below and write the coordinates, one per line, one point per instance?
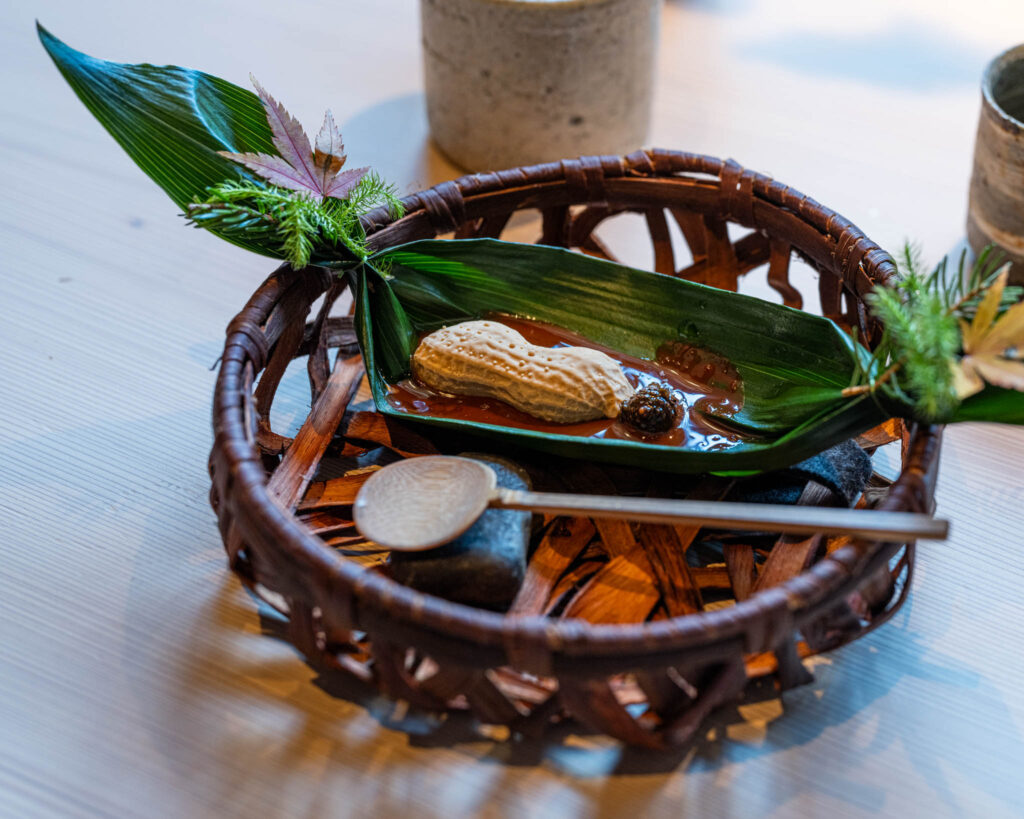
(344, 182)
(298, 167)
(289, 138)
(276, 171)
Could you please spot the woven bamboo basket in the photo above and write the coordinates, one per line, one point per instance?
(700, 635)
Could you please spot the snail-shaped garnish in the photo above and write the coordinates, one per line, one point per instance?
(653, 408)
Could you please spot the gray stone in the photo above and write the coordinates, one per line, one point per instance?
(485, 565)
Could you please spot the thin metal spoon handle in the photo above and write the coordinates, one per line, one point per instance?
(801, 520)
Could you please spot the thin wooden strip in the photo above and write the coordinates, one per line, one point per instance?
(354, 544)
(583, 223)
(285, 349)
(791, 670)
(616, 535)
(711, 577)
(662, 694)
(622, 591)
(374, 428)
(468, 229)
(554, 224)
(667, 556)
(692, 226)
(491, 227)
(325, 521)
(666, 547)
(791, 555)
(521, 687)
(722, 269)
(340, 491)
(593, 246)
(575, 577)
(290, 479)
(447, 682)
(337, 332)
(594, 703)
(487, 701)
(765, 662)
(711, 488)
(739, 561)
(794, 553)
(318, 364)
(562, 544)
(726, 682)
(778, 274)
(887, 433)
(657, 226)
(830, 291)
(751, 251)
(390, 673)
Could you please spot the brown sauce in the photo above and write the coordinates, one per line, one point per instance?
(700, 379)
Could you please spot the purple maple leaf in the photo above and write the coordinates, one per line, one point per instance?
(298, 167)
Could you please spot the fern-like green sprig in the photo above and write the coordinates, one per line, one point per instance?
(300, 227)
(921, 316)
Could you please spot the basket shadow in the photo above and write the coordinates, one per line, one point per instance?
(290, 723)
(733, 733)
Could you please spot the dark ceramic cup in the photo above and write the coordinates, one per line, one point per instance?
(995, 212)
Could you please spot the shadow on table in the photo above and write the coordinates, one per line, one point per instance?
(224, 687)
(847, 688)
(394, 139)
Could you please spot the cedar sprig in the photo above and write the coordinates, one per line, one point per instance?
(918, 360)
(302, 203)
(298, 225)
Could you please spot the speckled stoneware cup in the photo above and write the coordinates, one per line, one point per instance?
(516, 82)
(995, 212)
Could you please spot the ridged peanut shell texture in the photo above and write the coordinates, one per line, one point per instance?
(485, 358)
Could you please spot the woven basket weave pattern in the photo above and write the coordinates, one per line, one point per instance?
(526, 671)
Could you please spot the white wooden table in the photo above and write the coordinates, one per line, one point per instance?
(134, 680)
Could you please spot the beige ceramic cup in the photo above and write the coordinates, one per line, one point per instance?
(995, 212)
(517, 82)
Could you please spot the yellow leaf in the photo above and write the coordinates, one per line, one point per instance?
(999, 371)
(966, 382)
(1005, 333)
(987, 310)
(966, 336)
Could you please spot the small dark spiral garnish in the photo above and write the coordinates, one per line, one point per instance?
(651, 409)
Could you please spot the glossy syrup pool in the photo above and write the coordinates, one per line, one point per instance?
(701, 380)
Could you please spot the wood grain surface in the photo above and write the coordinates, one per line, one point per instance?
(137, 677)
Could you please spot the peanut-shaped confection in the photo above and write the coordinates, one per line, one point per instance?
(486, 358)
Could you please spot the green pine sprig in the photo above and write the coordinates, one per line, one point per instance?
(300, 226)
(922, 316)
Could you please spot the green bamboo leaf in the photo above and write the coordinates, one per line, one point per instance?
(171, 121)
(395, 338)
(794, 365)
(993, 404)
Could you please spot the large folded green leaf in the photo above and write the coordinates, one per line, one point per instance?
(171, 121)
(992, 404)
(794, 365)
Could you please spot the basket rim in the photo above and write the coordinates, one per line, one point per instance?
(362, 599)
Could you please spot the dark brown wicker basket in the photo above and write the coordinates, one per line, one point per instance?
(650, 683)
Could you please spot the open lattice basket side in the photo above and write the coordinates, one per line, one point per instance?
(648, 683)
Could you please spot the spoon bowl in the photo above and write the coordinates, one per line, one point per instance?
(421, 503)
